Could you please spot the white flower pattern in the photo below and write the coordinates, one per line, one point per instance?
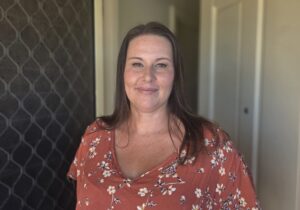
(222, 171)
(169, 185)
(220, 188)
(143, 191)
(111, 190)
(198, 192)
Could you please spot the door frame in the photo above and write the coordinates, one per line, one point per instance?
(206, 74)
(99, 66)
(106, 39)
(297, 204)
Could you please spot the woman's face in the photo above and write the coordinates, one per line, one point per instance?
(149, 73)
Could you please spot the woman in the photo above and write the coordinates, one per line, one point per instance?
(152, 153)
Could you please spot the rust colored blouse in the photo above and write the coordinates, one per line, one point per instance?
(217, 179)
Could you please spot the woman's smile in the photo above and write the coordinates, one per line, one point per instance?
(147, 90)
(149, 73)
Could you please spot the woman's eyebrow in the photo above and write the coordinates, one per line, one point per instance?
(138, 58)
(157, 59)
(163, 58)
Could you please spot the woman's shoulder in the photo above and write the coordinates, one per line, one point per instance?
(218, 147)
(96, 127)
(216, 138)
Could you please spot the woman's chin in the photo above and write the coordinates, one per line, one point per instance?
(149, 108)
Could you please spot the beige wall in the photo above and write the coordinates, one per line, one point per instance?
(133, 12)
(279, 131)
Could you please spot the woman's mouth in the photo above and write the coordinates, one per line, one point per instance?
(147, 90)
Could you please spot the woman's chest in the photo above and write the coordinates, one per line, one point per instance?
(160, 193)
(143, 153)
(171, 186)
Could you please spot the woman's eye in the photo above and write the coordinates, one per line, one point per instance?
(161, 66)
(137, 65)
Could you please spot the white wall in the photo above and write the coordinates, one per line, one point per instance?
(279, 131)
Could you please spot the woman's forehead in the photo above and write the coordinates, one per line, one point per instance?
(150, 44)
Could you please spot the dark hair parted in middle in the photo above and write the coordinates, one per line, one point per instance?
(193, 139)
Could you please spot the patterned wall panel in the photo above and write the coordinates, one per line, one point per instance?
(46, 98)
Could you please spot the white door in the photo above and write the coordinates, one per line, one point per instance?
(229, 69)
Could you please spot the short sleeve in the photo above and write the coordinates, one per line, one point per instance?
(234, 187)
(75, 168)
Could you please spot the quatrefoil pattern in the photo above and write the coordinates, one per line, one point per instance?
(46, 98)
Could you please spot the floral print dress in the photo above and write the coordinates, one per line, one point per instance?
(216, 179)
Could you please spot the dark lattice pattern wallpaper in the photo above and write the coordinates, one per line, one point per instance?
(46, 98)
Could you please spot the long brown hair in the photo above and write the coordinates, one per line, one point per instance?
(193, 139)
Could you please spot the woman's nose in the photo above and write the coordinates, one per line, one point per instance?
(149, 74)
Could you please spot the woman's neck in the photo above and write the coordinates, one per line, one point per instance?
(148, 123)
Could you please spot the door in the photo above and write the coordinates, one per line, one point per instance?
(230, 69)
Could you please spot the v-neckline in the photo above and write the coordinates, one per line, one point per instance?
(170, 159)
